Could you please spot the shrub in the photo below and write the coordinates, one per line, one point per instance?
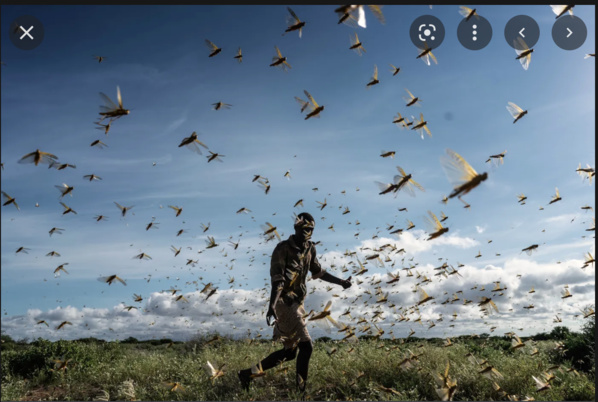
(580, 347)
(560, 333)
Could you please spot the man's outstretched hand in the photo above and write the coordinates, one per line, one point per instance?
(346, 284)
(271, 313)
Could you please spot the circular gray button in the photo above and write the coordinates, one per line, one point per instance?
(569, 32)
(426, 30)
(26, 32)
(475, 33)
(524, 27)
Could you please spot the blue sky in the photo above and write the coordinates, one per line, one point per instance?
(158, 57)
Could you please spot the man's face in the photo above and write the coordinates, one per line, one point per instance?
(304, 229)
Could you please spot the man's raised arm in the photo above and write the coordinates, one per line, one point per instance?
(328, 277)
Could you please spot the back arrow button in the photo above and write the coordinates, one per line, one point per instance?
(522, 27)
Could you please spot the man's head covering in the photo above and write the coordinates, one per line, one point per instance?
(304, 227)
(303, 218)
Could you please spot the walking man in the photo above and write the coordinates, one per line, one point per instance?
(291, 260)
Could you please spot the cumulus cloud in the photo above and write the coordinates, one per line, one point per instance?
(564, 218)
(413, 243)
(241, 312)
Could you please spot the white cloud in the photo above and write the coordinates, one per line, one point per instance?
(564, 218)
(238, 311)
(415, 242)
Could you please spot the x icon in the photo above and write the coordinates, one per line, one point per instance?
(26, 32)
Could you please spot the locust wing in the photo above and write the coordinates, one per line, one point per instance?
(432, 223)
(514, 109)
(314, 104)
(211, 45)
(457, 169)
(119, 97)
(520, 48)
(353, 15)
(303, 103)
(429, 56)
(376, 10)
(466, 12)
(560, 9)
(109, 105)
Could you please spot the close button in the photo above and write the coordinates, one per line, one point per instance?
(26, 32)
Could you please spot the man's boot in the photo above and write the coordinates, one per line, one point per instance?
(245, 378)
(301, 386)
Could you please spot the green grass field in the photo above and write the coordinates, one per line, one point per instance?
(100, 370)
